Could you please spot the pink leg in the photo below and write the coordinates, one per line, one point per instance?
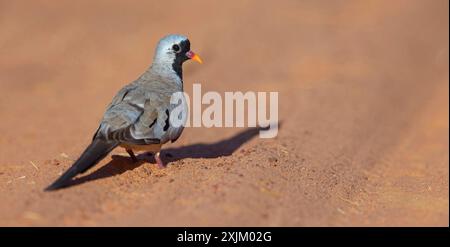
(159, 161)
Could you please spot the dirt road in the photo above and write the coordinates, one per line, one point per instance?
(363, 99)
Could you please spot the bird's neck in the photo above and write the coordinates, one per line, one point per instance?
(172, 72)
(178, 70)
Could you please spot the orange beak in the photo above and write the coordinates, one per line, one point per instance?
(193, 56)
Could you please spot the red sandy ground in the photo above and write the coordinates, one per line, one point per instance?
(363, 90)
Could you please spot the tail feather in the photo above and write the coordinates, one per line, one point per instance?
(95, 152)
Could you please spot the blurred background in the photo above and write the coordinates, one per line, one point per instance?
(363, 96)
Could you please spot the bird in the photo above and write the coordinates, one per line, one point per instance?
(137, 118)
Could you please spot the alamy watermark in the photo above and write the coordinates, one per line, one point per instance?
(227, 110)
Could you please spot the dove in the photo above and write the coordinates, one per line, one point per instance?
(137, 118)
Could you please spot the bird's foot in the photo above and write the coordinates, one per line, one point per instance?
(133, 157)
(159, 161)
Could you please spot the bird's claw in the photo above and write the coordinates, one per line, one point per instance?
(159, 162)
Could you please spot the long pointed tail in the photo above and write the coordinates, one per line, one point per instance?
(95, 152)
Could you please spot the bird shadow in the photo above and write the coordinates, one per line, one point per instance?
(120, 164)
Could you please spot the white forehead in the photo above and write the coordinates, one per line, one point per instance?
(164, 53)
(170, 40)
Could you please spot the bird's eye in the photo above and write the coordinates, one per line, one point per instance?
(176, 48)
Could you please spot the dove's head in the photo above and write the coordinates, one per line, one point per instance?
(174, 50)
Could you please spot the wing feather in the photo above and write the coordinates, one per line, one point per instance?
(139, 118)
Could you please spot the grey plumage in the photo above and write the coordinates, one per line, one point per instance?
(136, 107)
(138, 116)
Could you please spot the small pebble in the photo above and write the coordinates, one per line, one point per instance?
(273, 159)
